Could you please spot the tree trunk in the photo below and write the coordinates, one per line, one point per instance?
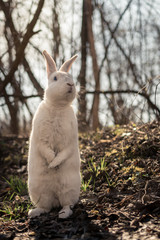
(82, 76)
(95, 105)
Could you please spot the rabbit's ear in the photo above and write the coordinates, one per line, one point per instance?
(50, 63)
(67, 65)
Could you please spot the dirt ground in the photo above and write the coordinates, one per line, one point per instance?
(120, 193)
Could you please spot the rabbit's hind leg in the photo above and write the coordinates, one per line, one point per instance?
(37, 212)
(65, 212)
(44, 205)
(67, 200)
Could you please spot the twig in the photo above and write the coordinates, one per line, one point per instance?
(145, 192)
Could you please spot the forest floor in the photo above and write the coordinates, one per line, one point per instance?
(120, 192)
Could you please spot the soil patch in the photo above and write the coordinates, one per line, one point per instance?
(120, 195)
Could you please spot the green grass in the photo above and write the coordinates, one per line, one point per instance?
(17, 185)
(85, 184)
(97, 170)
(16, 202)
(15, 210)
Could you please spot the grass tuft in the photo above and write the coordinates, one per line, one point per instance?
(16, 202)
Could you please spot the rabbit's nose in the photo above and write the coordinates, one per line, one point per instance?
(70, 84)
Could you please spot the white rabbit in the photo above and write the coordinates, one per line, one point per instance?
(53, 161)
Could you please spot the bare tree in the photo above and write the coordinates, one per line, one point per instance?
(16, 43)
(130, 74)
(95, 106)
(82, 114)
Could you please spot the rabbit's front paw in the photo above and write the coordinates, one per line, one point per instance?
(50, 157)
(53, 164)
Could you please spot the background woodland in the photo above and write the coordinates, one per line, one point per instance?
(117, 72)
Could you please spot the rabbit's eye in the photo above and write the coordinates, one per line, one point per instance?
(55, 78)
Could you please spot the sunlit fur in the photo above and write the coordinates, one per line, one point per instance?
(53, 161)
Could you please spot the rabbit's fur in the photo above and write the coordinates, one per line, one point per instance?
(53, 161)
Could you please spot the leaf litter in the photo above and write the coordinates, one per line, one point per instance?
(120, 193)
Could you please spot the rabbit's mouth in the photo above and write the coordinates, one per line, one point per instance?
(70, 87)
(70, 90)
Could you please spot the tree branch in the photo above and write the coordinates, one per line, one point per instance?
(127, 91)
(113, 32)
(142, 93)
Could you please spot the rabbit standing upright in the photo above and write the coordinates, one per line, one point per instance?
(53, 161)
